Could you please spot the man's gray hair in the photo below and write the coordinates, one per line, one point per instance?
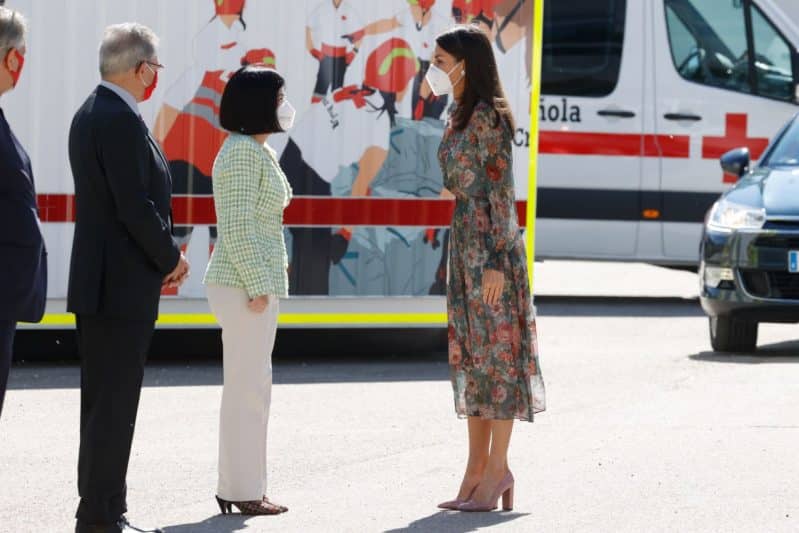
(12, 30)
(125, 46)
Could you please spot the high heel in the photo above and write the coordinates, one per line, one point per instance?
(504, 489)
(507, 499)
(224, 505)
(253, 508)
(454, 505)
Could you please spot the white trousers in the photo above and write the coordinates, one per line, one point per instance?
(247, 342)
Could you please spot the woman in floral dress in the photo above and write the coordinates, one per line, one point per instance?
(492, 334)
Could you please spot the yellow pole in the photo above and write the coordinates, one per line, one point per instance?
(535, 97)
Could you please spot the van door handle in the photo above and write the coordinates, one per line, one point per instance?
(682, 116)
(620, 113)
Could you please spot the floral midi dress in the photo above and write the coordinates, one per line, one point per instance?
(493, 352)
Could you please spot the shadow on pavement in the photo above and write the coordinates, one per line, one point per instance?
(610, 306)
(192, 374)
(214, 524)
(445, 521)
(781, 352)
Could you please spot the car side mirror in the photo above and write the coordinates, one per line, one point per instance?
(736, 162)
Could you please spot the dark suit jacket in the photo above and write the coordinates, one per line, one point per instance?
(123, 245)
(23, 258)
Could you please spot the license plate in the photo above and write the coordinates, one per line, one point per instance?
(793, 261)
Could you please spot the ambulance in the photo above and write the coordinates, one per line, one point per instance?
(638, 99)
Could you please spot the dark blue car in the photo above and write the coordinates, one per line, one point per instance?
(749, 269)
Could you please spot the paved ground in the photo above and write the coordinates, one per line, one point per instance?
(646, 431)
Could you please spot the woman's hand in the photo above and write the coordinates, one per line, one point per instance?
(258, 304)
(493, 285)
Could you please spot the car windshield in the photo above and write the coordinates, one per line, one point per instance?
(786, 149)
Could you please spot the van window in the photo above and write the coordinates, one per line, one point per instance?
(582, 47)
(772, 59)
(708, 40)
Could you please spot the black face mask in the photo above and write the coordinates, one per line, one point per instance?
(511, 14)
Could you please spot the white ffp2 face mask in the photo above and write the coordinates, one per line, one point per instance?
(439, 80)
(285, 115)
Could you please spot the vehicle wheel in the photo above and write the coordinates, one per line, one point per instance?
(728, 334)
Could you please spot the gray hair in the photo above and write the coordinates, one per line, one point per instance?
(125, 46)
(13, 27)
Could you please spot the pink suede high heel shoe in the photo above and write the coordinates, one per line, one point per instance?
(504, 489)
(454, 505)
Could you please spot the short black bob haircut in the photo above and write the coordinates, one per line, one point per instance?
(249, 103)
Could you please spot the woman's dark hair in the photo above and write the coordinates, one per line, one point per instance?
(249, 103)
(481, 81)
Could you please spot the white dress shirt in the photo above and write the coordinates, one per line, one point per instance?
(122, 93)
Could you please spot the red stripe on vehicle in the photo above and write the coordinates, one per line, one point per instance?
(303, 211)
(673, 146)
(614, 144)
(56, 207)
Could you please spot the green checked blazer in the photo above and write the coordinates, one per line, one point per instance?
(250, 194)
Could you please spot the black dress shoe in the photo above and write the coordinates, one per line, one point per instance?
(81, 527)
(126, 527)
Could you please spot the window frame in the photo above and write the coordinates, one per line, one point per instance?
(794, 63)
(612, 89)
(748, 5)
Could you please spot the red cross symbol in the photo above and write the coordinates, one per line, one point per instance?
(734, 137)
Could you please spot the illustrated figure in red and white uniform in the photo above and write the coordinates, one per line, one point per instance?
(480, 12)
(418, 25)
(332, 36)
(512, 42)
(187, 125)
(350, 127)
(511, 35)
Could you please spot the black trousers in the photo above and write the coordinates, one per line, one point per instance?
(7, 329)
(330, 75)
(113, 353)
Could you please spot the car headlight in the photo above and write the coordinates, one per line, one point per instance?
(727, 216)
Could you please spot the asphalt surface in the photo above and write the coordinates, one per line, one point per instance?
(646, 430)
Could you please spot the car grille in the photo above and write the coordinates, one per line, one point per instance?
(771, 284)
(781, 225)
(786, 242)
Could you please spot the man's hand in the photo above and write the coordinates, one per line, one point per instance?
(258, 304)
(493, 285)
(178, 276)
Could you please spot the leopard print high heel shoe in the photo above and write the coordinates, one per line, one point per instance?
(251, 508)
